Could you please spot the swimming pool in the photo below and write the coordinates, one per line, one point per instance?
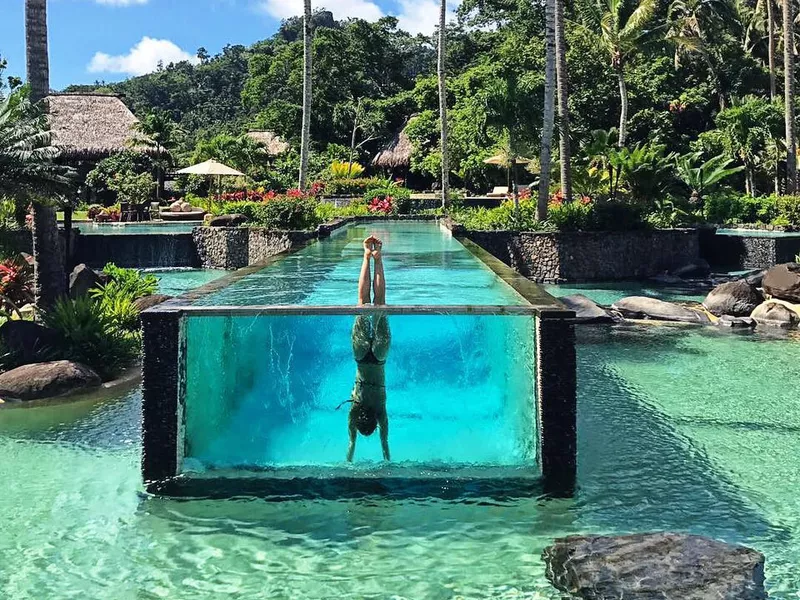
(149, 228)
(678, 430)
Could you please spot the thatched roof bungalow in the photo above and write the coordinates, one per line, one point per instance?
(91, 127)
(272, 142)
(396, 154)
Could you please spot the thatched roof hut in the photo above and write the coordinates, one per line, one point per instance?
(397, 153)
(91, 127)
(272, 142)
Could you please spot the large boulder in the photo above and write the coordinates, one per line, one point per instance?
(46, 380)
(774, 313)
(81, 280)
(783, 282)
(641, 307)
(145, 302)
(586, 311)
(233, 220)
(28, 341)
(735, 298)
(654, 566)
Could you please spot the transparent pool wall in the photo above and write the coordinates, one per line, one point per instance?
(266, 392)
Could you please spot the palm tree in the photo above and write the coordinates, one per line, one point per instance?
(760, 25)
(549, 111)
(306, 132)
(689, 20)
(622, 31)
(443, 105)
(788, 84)
(700, 177)
(562, 83)
(49, 279)
(160, 133)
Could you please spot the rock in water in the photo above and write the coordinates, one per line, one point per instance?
(736, 322)
(81, 280)
(45, 380)
(28, 341)
(735, 298)
(775, 314)
(145, 302)
(233, 220)
(654, 566)
(586, 311)
(638, 307)
(699, 268)
(783, 282)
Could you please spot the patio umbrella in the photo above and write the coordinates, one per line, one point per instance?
(211, 168)
(503, 160)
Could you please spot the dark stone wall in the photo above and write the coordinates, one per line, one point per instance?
(591, 256)
(748, 251)
(238, 247)
(137, 250)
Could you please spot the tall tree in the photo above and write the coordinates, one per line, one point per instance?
(440, 71)
(623, 30)
(306, 129)
(788, 90)
(562, 83)
(771, 48)
(549, 110)
(49, 279)
(160, 133)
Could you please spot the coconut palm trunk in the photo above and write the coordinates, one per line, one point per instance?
(49, 279)
(306, 131)
(443, 105)
(771, 49)
(549, 111)
(788, 82)
(623, 111)
(562, 83)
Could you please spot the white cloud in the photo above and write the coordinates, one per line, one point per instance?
(341, 9)
(121, 2)
(141, 59)
(419, 16)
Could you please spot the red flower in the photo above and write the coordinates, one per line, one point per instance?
(586, 200)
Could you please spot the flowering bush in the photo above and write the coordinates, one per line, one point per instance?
(383, 205)
(16, 281)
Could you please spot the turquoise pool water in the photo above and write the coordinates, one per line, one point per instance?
(759, 233)
(688, 430)
(263, 391)
(135, 228)
(175, 282)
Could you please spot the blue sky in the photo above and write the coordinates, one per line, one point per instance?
(114, 39)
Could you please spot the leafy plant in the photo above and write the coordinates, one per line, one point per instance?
(90, 336)
(131, 282)
(701, 177)
(16, 282)
(135, 189)
(346, 170)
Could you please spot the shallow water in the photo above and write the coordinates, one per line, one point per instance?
(175, 282)
(687, 430)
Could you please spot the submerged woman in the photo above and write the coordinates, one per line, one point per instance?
(371, 339)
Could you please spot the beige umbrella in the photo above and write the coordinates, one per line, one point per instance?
(503, 160)
(212, 168)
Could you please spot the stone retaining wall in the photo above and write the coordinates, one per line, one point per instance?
(238, 247)
(589, 256)
(748, 251)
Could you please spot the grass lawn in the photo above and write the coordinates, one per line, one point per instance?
(78, 215)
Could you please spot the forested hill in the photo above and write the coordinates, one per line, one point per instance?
(495, 63)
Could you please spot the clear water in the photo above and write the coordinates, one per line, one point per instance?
(135, 228)
(688, 430)
(423, 264)
(175, 282)
(263, 392)
(759, 233)
(608, 293)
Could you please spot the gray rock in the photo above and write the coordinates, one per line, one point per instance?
(46, 380)
(775, 314)
(756, 278)
(233, 220)
(81, 280)
(735, 298)
(638, 307)
(586, 311)
(150, 301)
(654, 566)
(28, 341)
(736, 322)
(783, 282)
(699, 268)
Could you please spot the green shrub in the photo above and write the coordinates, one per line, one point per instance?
(502, 217)
(345, 170)
(570, 216)
(401, 198)
(91, 337)
(788, 208)
(615, 216)
(131, 282)
(731, 207)
(282, 212)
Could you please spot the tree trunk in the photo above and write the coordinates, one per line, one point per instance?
(443, 106)
(788, 83)
(37, 62)
(48, 270)
(306, 131)
(549, 111)
(353, 139)
(67, 243)
(771, 49)
(563, 107)
(623, 113)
